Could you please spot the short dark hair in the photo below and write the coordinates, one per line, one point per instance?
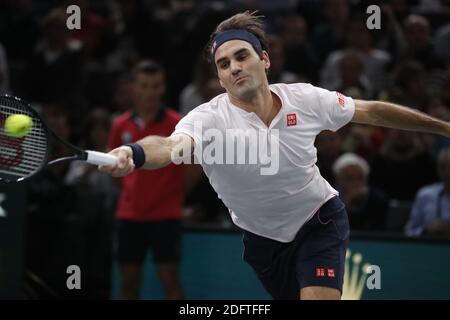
(247, 21)
(149, 67)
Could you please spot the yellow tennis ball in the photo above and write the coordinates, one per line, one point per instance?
(18, 125)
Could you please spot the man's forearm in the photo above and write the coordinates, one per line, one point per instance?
(157, 152)
(395, 116)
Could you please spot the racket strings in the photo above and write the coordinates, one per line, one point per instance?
(20, 157)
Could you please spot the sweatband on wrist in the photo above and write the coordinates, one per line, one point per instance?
(138, 154)
(235, 34)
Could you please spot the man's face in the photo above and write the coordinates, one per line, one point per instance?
(240, 70)
(148, 90)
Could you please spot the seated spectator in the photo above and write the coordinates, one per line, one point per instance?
(365, 141)
(328, 144)
(430, 214)
(375, 62)
(299, 57)
(4, 72)
(410, 86)
(96, 195)
(403, 166)
(278, 72)
(55, 71)
(367, 207)
(203, 88)
(351, 80)
(329, 35)
(419, 46)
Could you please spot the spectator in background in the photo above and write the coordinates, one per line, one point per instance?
(122, 97)
(149, 210)
(133, 25)
(410, 85)
(329, 36)
(299, 57)
(19, 28)
(365, 141)
(437, 108)
(51, 205)
(367, 207)
(430, 214)
(4, 71)
(328, 144)
(278, 72)
(418, 42)
(375, 61)
(351, 80)
(203, 88)
(202, 204)
(96, 195)
(54, 72)
(94, 28)
(403, 166)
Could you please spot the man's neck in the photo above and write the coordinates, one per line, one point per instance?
(264, 104)
(148, 115)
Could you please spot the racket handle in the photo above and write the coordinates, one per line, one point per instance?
(100, 158)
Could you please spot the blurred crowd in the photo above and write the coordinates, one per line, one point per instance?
(390, 180)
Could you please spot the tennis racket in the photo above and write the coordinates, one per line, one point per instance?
(22, 158)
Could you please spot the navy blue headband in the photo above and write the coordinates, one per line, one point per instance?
(234, 34)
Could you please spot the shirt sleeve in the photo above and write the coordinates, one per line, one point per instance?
(194, 124)
(333, 109)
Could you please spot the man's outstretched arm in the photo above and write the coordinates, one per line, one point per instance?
(159, 152)
(392, 115)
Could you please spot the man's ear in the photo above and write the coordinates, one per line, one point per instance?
(266, 59)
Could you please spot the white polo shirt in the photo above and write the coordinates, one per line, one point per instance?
(274, 205)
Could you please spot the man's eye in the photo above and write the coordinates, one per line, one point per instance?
(224, 65)
(242, 57)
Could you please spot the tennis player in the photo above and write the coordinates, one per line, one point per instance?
(295, 227)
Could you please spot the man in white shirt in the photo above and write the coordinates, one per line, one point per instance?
(295, 226)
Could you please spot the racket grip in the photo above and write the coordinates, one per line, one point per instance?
(100, 158)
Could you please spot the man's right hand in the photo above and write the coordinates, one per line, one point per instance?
(125, 164)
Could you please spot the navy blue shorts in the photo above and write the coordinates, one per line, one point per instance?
(162, 237)
(316, 257)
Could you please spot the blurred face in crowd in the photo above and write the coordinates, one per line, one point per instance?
(351, 69)
(336, 11)
(240, 70)
(358, 36)
(351, 178)
(55, 30)
(148, 90)
(294, 31)
(417, 31)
